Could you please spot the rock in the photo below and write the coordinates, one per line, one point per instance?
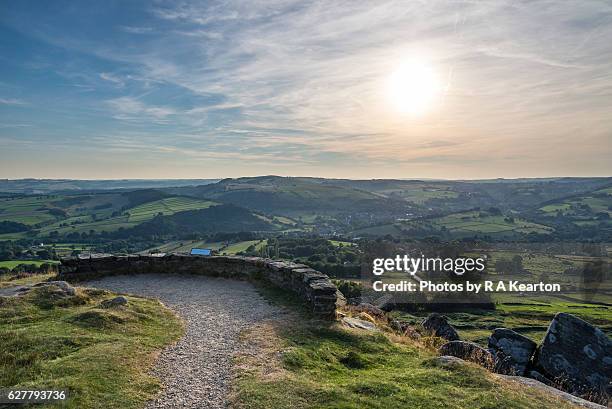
(439, 326)
(13, 291)
(533, 374)
(371, 310)
(468, 351)
(556, 392)
(115, 302)
(404, 328)
(577, 353)
(66, 288)
(340, 299)
(357, 323)
(512, 350)
(448, 361)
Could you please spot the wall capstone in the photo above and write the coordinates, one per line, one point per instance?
(312, 286)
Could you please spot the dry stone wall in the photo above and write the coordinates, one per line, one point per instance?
(311, 285)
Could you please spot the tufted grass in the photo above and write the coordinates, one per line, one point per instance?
(323, 365)
(101, 356)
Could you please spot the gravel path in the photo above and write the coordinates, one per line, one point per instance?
(196, 371)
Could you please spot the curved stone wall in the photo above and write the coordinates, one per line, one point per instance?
(311, 285)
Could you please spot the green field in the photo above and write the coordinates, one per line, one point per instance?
(130, 218)
(583, 208)
(222, 248)
(475, 222)
(242, 246)
(104, 212)
(339, 243)
(13, 263)
(167, 206)
(28, 210)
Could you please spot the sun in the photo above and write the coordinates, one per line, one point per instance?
(413, 87)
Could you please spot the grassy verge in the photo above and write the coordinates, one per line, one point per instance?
(311, 364)
(100, 355)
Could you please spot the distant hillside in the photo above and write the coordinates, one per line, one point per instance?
(222, 218)
(275, 194)
(45, 186)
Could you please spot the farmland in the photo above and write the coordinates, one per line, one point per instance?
(62, 215)
(462, 224)
(14, 263)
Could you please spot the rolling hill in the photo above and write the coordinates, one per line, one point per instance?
(220, 218)
(288, 195)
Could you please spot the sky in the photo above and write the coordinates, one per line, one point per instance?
(182, 89)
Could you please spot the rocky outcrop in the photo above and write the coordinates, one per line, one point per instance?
(577, 355)
(512, 351)
(360, 324)
(64, 287)
(555, 392)
(405, 328)
(311, 285)
(114, 302)
(439, 326)
(468, 351)
(448, 361)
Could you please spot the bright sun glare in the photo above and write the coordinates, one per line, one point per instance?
(413, 87)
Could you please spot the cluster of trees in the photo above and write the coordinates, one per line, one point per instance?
(25, 249)
(509, 266)
(28, 268)
(319, 253)
(12, 227)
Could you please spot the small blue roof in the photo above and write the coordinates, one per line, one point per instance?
(201, 252)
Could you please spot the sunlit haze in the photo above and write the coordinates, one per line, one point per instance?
(414, 87)
(382, 89)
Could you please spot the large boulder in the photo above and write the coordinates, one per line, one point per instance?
(439, 326)
(467, 351)
(576, 354)
(512, 351)
(535, 384)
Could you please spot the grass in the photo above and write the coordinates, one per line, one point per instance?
(242, 246)
(339, 243)
(100, 355)
(529, 317)
(312, 364)
(472, 222)
(28, 210)
(166, 206)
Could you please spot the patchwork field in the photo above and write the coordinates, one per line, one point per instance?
(167, 206)
(108, 212)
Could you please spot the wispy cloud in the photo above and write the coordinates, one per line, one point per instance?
(12, 101)
(131, 109)
(137, 30)
(112, 78)
(307, 81)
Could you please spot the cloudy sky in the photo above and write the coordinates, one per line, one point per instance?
(222, 89)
